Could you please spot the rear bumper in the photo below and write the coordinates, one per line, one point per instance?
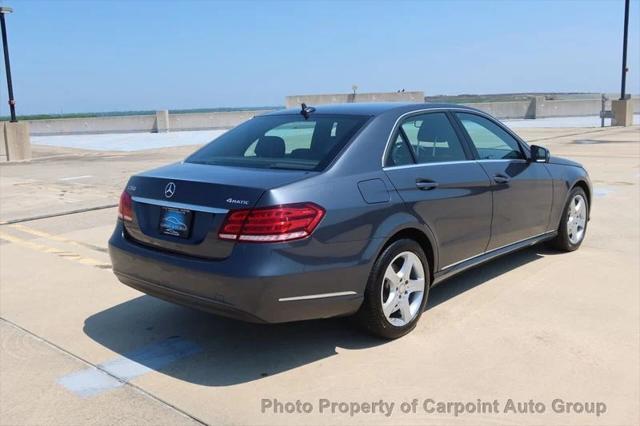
(258, 283)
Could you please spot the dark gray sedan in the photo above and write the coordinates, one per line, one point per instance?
(343, 209)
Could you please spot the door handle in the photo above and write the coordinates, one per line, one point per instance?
(426, 185)
(500, 178)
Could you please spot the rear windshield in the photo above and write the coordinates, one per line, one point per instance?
(281, 142)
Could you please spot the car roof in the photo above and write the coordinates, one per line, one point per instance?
(369, 108)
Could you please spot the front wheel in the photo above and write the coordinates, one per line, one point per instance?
(397, 290)
(573, 224)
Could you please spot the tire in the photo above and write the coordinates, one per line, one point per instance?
(570, 232)
(388, 286)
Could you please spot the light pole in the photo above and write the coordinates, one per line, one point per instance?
(7, 65)
(624, 50)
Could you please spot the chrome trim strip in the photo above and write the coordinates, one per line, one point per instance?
(410, 166)
(495, 249)
(445, 109)
(176, 205)
(317, 296)
(501, 160)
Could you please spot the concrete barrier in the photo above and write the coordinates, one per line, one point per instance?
(564, 108)
(539, 107)
(210, 120)
(512, 109)
(342, 98)
(622, 112)
(115, 124)
(3, 144)
(15, 143)
(162, 121)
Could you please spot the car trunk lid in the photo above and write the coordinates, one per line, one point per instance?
(199, 196)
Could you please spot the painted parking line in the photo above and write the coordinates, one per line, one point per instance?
(57, 238)
(115, 373)
(59, 214)
(76, 177)
(75, 257)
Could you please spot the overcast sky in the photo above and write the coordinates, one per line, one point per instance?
(81, 56)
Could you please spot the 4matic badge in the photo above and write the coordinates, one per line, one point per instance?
(234, 201)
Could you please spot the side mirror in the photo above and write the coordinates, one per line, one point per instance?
(539, 154)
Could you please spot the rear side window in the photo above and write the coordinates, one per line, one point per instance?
(490, 140)
(433, 139)
(399, 154)
(281, 142)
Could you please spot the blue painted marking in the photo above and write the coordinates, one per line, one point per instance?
(602, 191)
(156, 356)
(89, 382)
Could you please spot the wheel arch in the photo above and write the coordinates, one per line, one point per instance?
(426, 243)
(587, 190)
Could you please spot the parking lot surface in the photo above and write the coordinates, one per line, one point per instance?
(534, 327)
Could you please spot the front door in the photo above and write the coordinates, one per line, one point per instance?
(437, 178)
(522, 190)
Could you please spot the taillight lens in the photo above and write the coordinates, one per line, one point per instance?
(271, 224)
(125, 208)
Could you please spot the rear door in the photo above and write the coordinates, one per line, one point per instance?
(434, 173)
(522, 190)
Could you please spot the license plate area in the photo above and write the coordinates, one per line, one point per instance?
(175, 222)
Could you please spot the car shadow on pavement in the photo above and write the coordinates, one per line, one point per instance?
(233, 352)
(230, 352)
(476, 276)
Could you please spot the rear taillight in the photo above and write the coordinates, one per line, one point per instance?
(271, 224)
(125, 208)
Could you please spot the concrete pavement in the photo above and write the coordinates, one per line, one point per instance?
(541, 326)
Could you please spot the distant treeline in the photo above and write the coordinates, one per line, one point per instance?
(122, 113)
(505, 97)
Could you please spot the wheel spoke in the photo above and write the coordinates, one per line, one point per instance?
(578, 204)
(405, 270)
(392, 277)
(405, 309)
(415, 285)
(391, 306)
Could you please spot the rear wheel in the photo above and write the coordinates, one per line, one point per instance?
(397, 290)
(573, 224)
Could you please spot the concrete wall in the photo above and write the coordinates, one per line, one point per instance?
(210, 120)
(341, 98)
(513, 109)
(161, 122)
(563, 108)
(116, 124)
(537, 107)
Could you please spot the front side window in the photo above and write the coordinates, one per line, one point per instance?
(433, 139)
(490, 140)
(281, 142)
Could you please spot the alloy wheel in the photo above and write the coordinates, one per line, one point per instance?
(403, 289)
(576, 219)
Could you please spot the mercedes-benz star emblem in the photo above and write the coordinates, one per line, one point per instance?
(169, 190)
